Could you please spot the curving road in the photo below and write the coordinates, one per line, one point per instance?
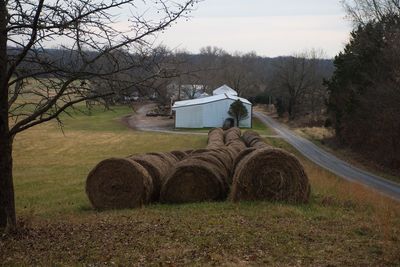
(330, 162)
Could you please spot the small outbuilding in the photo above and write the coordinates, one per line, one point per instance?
(225, 89)
(209, 112)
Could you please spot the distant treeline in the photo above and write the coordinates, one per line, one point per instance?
(294, 83)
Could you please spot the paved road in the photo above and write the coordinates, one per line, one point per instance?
(332, 163)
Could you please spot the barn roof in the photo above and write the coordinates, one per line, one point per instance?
(225, 89)
(205, 100)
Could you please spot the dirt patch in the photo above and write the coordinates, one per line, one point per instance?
(139, 121)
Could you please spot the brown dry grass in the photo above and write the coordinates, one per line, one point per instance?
(315, 133)
(344, 224)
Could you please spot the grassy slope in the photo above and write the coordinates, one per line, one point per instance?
(345, 224)
(258, 126)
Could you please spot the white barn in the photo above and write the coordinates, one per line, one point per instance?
(208, 112)
(225, 89)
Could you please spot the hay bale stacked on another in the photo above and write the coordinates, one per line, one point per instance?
(202, 176)
(119, 183)
(179, 154)
(159, 165)
(259, 172)
(215, 138)
(266, 173)
(233, 140)
(253, 139)
(131, 182)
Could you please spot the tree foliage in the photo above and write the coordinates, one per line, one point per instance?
(365, 91)
(238, 111)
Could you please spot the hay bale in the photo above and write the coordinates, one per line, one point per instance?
(223, 156)
(180, 155)
(270, 174)
(118, 184)
(158, 166)
(215, 138)
(232, 153)
(232, 134)
(193, 180)
(217, 165)
(236, 145)
(253, 139)
(241, 155)
(200, 151)
(168, 157)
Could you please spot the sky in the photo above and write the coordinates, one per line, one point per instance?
(267, 27)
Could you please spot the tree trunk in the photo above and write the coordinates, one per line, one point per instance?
(291, 109)
(7, 205)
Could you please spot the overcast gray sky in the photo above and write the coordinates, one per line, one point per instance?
(268, 27)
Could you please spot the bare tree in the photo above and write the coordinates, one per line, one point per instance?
(299, 79)
(239, 72)
(363, 11)
(90, 34)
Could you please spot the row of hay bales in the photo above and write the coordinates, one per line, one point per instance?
(231, 166)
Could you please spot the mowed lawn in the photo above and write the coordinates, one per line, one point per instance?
(344, 225)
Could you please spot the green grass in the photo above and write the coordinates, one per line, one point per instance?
(97, 119)
(261, 128)
(258, 126)
(345, 224)
(50, 166)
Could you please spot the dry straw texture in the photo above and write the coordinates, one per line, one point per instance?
(179, 154)
(159, 165)
(264, 173)
(118, 184)
(215, 138)
(270, 174)
(203, 176)
(253, 139)
(193, 180)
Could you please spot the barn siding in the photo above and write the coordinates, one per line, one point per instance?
(189, 117)
(206, 115)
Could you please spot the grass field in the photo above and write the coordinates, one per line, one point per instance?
(258, 126)
(345, 224)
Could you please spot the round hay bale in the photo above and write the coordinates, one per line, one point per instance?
(200, 151)
(232, 153)
(253, 139)
(192, 181)
(241, 155)
(270, 174)
(215, 138)
(180, 155)
(217, 166)
(216, 130)
(157, 167)
(236, 146)
(213, 146)
(224, 157)
(167, 157)
(118, 184)
(227, 165)
(232, 134)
